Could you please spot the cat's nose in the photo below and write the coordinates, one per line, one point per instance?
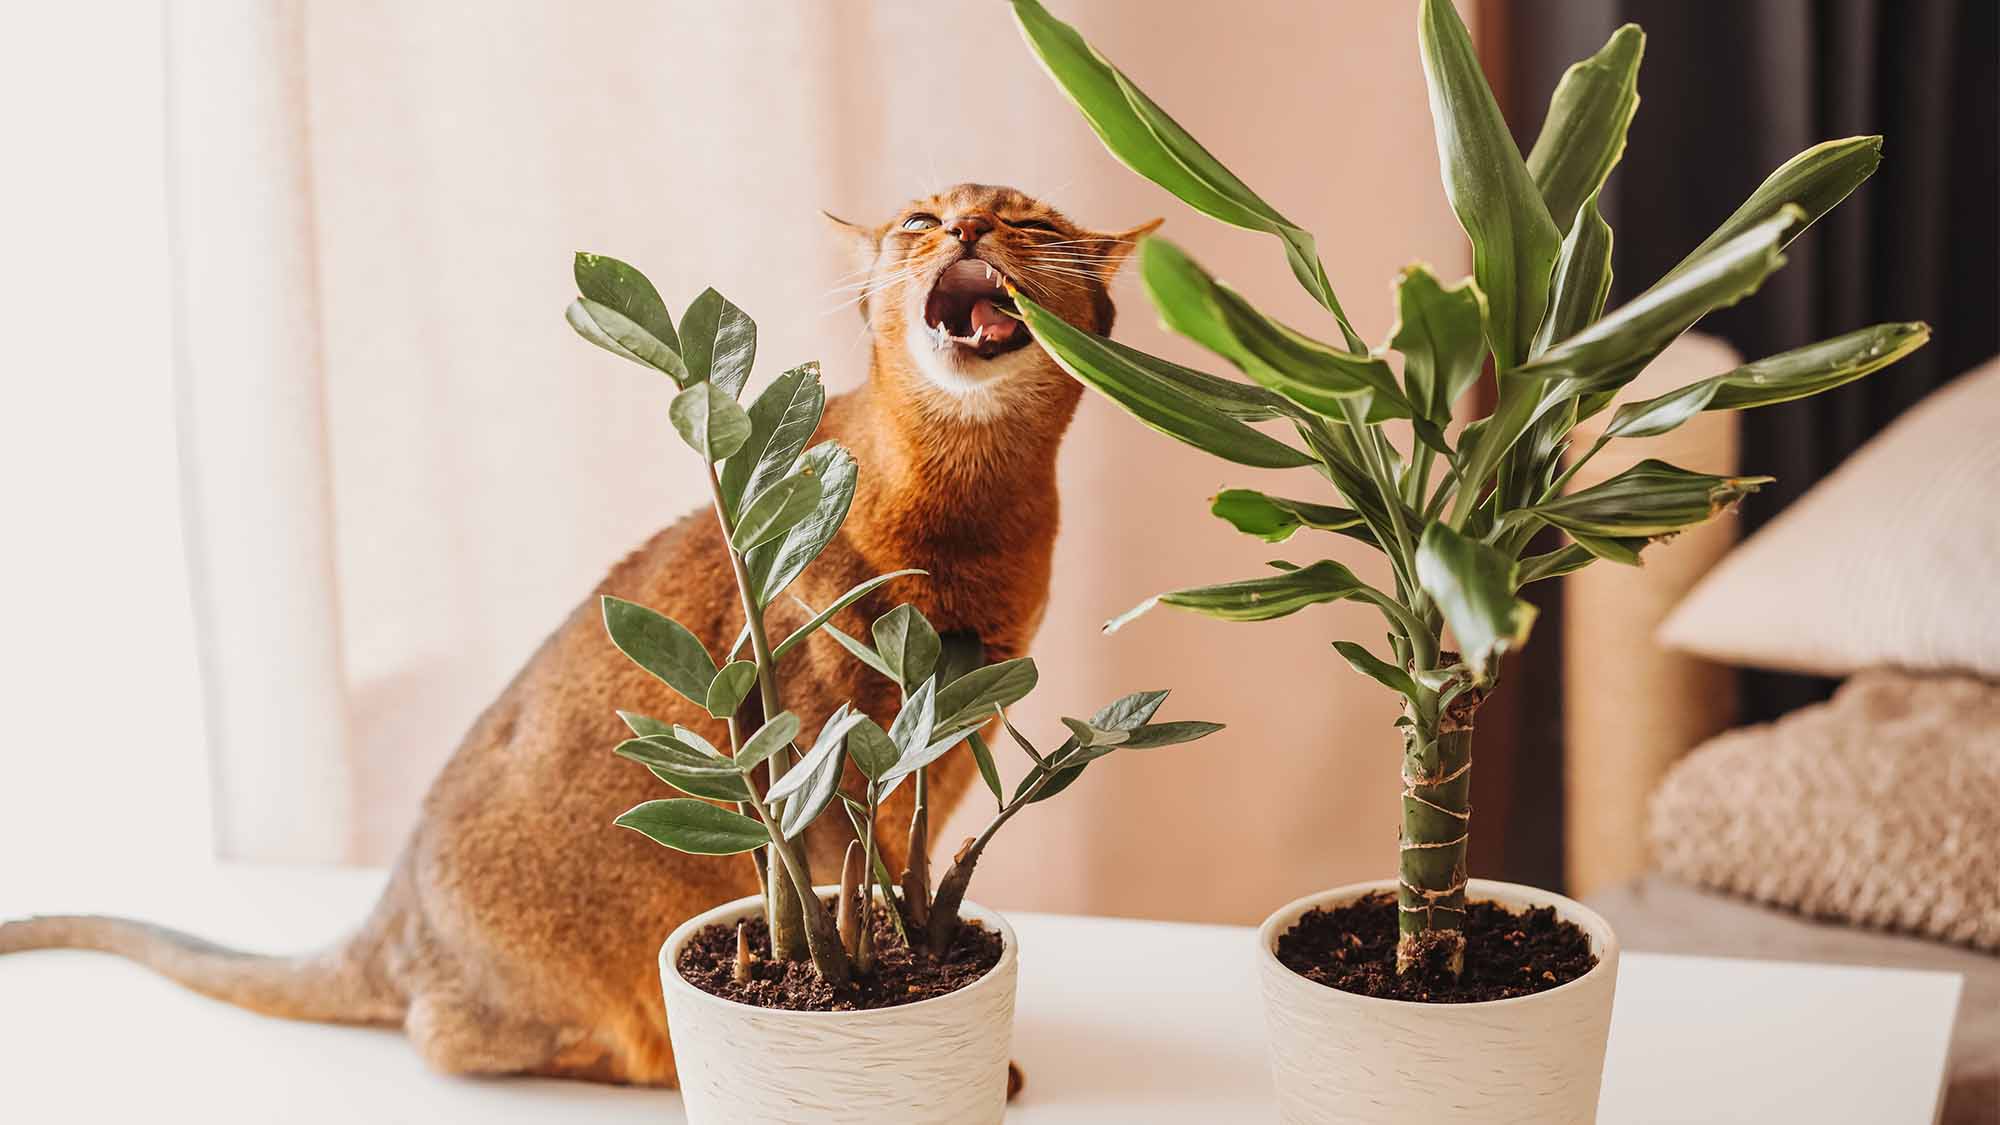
(968, 228)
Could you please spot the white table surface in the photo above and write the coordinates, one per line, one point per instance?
(1117, 1021)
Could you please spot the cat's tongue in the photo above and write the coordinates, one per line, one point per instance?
(996, 323)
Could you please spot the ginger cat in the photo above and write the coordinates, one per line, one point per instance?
(519, 929)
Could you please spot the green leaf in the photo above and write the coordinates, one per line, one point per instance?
(866, 655)
(1312, 374)
(776, 510)
(1440, 333)
(618, 334)
(696, 827)
(777, 733)
(1582, 280)
(782, 420)
(718, 342)
(853, 595)
(1814, 181)
(1141, 135)
(1136, 383)
(1657, 416)
(1154, 735)
(622, 288)
(1389, 675)
(1274, 518)
(988, 771)
(709, 421)
(1473, 585)
(644, 727)
(1129, 712)
(1646, 501)
(662, 646)
(908, 644)
(1514, 241)
(817, 774)
(1259, 599)
(1564, 560)
(856, 819)
(731, 684)
(916, 721)
(1817, 367)
(871, 749)
(968, 701)
(774, 565)
(1622, 551)
(686, 768)
(1093, 738)
(1583, 134)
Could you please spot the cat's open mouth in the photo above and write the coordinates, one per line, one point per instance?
(969, 308)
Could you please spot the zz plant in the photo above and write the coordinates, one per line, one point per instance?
(778, 505)
(1455, 508)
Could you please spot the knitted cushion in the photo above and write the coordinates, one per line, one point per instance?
(1891, 561)
(1879, 807)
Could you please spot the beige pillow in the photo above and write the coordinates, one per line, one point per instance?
(1879, 807)
(1893, 560)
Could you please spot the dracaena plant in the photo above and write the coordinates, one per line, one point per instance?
(1455, 507)
(778, 504)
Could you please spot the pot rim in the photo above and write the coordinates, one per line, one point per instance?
(671, 978)
(1603, 939)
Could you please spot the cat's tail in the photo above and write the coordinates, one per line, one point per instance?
(348, 983)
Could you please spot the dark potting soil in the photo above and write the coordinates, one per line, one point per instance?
(1353, 948)
(900, 977)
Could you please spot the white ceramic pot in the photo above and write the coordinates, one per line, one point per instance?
(1340, 1057)
(942, 1060)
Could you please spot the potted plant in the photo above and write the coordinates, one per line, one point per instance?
(1451, 999)
(875, 1000)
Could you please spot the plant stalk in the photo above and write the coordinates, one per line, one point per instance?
(822, 939)
(1437, 781)
(784, 910)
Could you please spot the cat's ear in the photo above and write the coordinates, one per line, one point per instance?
(1118, 247)
(860, 243)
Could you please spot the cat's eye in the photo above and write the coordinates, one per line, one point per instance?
(920, 222)
(1032, 224)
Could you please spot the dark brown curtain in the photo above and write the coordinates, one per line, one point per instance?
(1728, 92)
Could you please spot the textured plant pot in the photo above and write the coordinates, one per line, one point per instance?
(942, 1060)
(1340, 1057)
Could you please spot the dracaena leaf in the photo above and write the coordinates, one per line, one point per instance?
(1514, 241)
(1274, 518)
(1583, 134)
(696, 827)
(1816, 367)
(1164, 403)
(1646, 501)
(662, 646)
(1141, 135)
(1440, 333)
(1814, 181)
(782, 420)
(1258, 599)
(1473, 585)
(1307, 372)
(1368, 664)
(718, 342)
(1582, 279)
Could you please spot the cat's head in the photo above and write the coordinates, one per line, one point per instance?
(935, 294)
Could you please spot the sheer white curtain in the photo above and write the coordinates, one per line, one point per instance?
(408, 469)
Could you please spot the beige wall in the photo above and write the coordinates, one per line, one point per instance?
(487, 467)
